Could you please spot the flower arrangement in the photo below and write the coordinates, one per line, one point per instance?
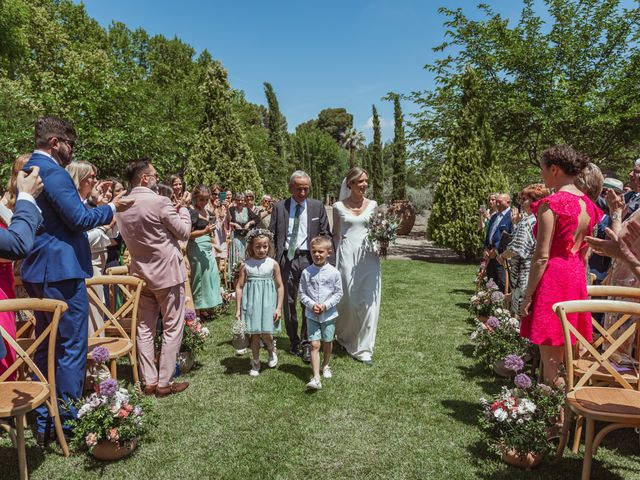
(239, 341)
(194, 334)
(520, 418)
(110, 413)
(486, 299)
(499, 339)
(382, 228)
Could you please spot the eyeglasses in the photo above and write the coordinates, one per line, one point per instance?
(70, 143)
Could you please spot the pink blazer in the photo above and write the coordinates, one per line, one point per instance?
(151, 229)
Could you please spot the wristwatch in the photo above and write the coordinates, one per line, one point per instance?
(615, 216)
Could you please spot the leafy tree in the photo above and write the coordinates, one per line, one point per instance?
(335, 121)
(399, 152)
(221, 153)
(573, 78)
(352, 140)
(465, 178)
(276, 171)
(377, 167)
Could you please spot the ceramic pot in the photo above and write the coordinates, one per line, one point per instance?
(528, 461)
(407, 215)
(502, 371)
(109, 451)
(185, 361)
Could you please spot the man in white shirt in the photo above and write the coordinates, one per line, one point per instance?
(294, 222)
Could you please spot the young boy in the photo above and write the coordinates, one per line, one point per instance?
(320, 291)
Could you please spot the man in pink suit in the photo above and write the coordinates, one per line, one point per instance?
(151, 230)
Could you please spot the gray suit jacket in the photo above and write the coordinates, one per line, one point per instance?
(317, 223)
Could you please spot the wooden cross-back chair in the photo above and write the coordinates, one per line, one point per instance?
(25, 319)
(120, 324)
(617, 404)
(17, 398)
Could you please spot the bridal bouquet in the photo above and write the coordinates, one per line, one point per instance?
(382, 228)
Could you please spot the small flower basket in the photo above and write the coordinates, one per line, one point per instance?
(518, 421)
(239, 341)
(110, 421)
(486, 300)
(382, 230)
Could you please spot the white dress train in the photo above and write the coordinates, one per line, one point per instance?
(359, 267)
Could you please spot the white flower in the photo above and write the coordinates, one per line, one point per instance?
(527, 405)
(514, 322)
(205, 331)
(86, 408)
(500, 414)
(474, 335)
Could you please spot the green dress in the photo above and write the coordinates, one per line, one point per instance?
(205, 278)
(259, 296)
(238, 243)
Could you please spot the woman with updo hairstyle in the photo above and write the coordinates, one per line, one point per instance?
(519, 251)
(590, 181)
(557, 273)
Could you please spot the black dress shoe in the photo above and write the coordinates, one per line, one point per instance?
(42, 442)
(294, 350)
(306, 353)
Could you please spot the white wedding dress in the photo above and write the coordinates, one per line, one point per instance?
(359, 266)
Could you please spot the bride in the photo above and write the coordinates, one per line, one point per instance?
(359, 266)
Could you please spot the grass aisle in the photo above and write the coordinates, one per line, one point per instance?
(412, 415)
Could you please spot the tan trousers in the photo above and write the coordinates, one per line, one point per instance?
(170, 302)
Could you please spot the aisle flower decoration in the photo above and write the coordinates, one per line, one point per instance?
(110, 414)
(195, 334)
(498, 340)
(486, 300)
(382, 229)
(519, 420)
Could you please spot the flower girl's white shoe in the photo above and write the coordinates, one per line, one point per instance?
(255, 368)
(273, 359)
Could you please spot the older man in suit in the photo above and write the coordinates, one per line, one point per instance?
(499, 224)
(60, 260)
(151, 229)
(294, 223)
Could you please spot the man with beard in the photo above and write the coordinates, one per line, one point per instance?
(60, 261)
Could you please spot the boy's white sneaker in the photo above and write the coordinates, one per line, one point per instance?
(273, 359)
(255, 368)
(314, 384)
(326, 372)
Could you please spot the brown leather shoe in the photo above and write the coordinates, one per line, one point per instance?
(171, 389)
(150, 389)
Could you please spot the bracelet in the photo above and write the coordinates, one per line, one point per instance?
(615, 216)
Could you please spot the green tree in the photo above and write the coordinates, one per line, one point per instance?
(465, 178)
(572, 77)
(276, 171)
(377, 166)
(221, 153)
(352, 140)
(335, 121)
(399, 152)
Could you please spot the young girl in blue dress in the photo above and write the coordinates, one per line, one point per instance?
(259, 296)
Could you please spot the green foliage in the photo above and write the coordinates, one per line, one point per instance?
(334, 121)
(352, 140)
(221, 153)
(572, 78)
(466, 176)
(377, 168)
(399, 152)
(276, 171)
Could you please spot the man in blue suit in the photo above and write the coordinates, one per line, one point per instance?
(499, 223)
(16, 242)
(60, 260)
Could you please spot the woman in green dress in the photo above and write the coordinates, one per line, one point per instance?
(241, 220)
(205, 279)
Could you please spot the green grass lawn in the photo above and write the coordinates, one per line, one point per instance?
(411, 415)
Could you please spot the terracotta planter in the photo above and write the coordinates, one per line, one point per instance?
(407, 215)
(528, 461)
(483, 318)
(185, 361)
(96, 373)
(502, 371)
(109, 451)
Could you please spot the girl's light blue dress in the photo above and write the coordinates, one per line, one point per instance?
(259, 296)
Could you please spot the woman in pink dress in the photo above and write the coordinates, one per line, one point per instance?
(557, 273)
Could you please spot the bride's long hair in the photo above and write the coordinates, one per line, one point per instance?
(352, 175)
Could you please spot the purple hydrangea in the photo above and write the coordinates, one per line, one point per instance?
(189, 314)
(108, 387)
(100, 354)
(491, 284)
(497, 297)
(513, 362)
(493, 322)
(522, 381)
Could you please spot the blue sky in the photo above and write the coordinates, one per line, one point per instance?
(316, 54)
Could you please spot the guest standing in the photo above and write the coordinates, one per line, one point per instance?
(499, 224)
(359, 267)
(177, 187)
(60, 261)
(294, 222)
(558, 266)
(205, 279)
(152, 230)
(241, 220)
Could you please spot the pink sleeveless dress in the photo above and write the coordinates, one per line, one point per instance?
(7, 319)
(565, 277)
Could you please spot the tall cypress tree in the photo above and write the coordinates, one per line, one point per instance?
(377, 167)
(466, 177)
(399, 190)
(221, 153)
(277, 170)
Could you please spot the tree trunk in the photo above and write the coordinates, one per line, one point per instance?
(352, 157)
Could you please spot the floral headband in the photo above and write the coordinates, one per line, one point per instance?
(259, 232)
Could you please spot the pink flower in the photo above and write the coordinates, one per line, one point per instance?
(123, 413)
(113, 435)
(91, 440)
